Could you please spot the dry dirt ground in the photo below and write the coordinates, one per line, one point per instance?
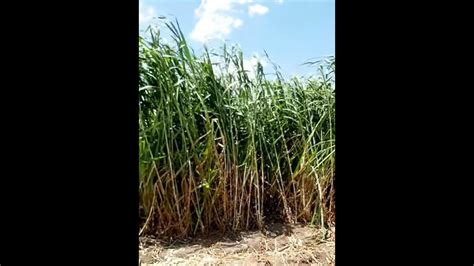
(277, 245)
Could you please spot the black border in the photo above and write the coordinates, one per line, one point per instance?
(70, 187)
(402, 130)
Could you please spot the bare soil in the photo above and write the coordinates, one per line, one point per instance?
(277, 245)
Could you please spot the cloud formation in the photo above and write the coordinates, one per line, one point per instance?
(257, 9)
(145, 14)
(217, 18)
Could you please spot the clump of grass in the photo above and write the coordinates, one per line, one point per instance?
(222, 151)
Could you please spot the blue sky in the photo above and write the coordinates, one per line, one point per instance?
(291, 31)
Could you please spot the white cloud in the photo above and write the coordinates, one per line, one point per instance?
(280, 1)
(257, 9)
(237, 23)
(215, 19)
(145, 14)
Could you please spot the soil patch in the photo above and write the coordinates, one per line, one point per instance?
(278, 244)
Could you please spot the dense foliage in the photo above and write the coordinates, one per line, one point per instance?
(222, 151)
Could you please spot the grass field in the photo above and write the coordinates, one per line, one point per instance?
(223, 152)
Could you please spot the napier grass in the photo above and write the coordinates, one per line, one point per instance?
(220, 151)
